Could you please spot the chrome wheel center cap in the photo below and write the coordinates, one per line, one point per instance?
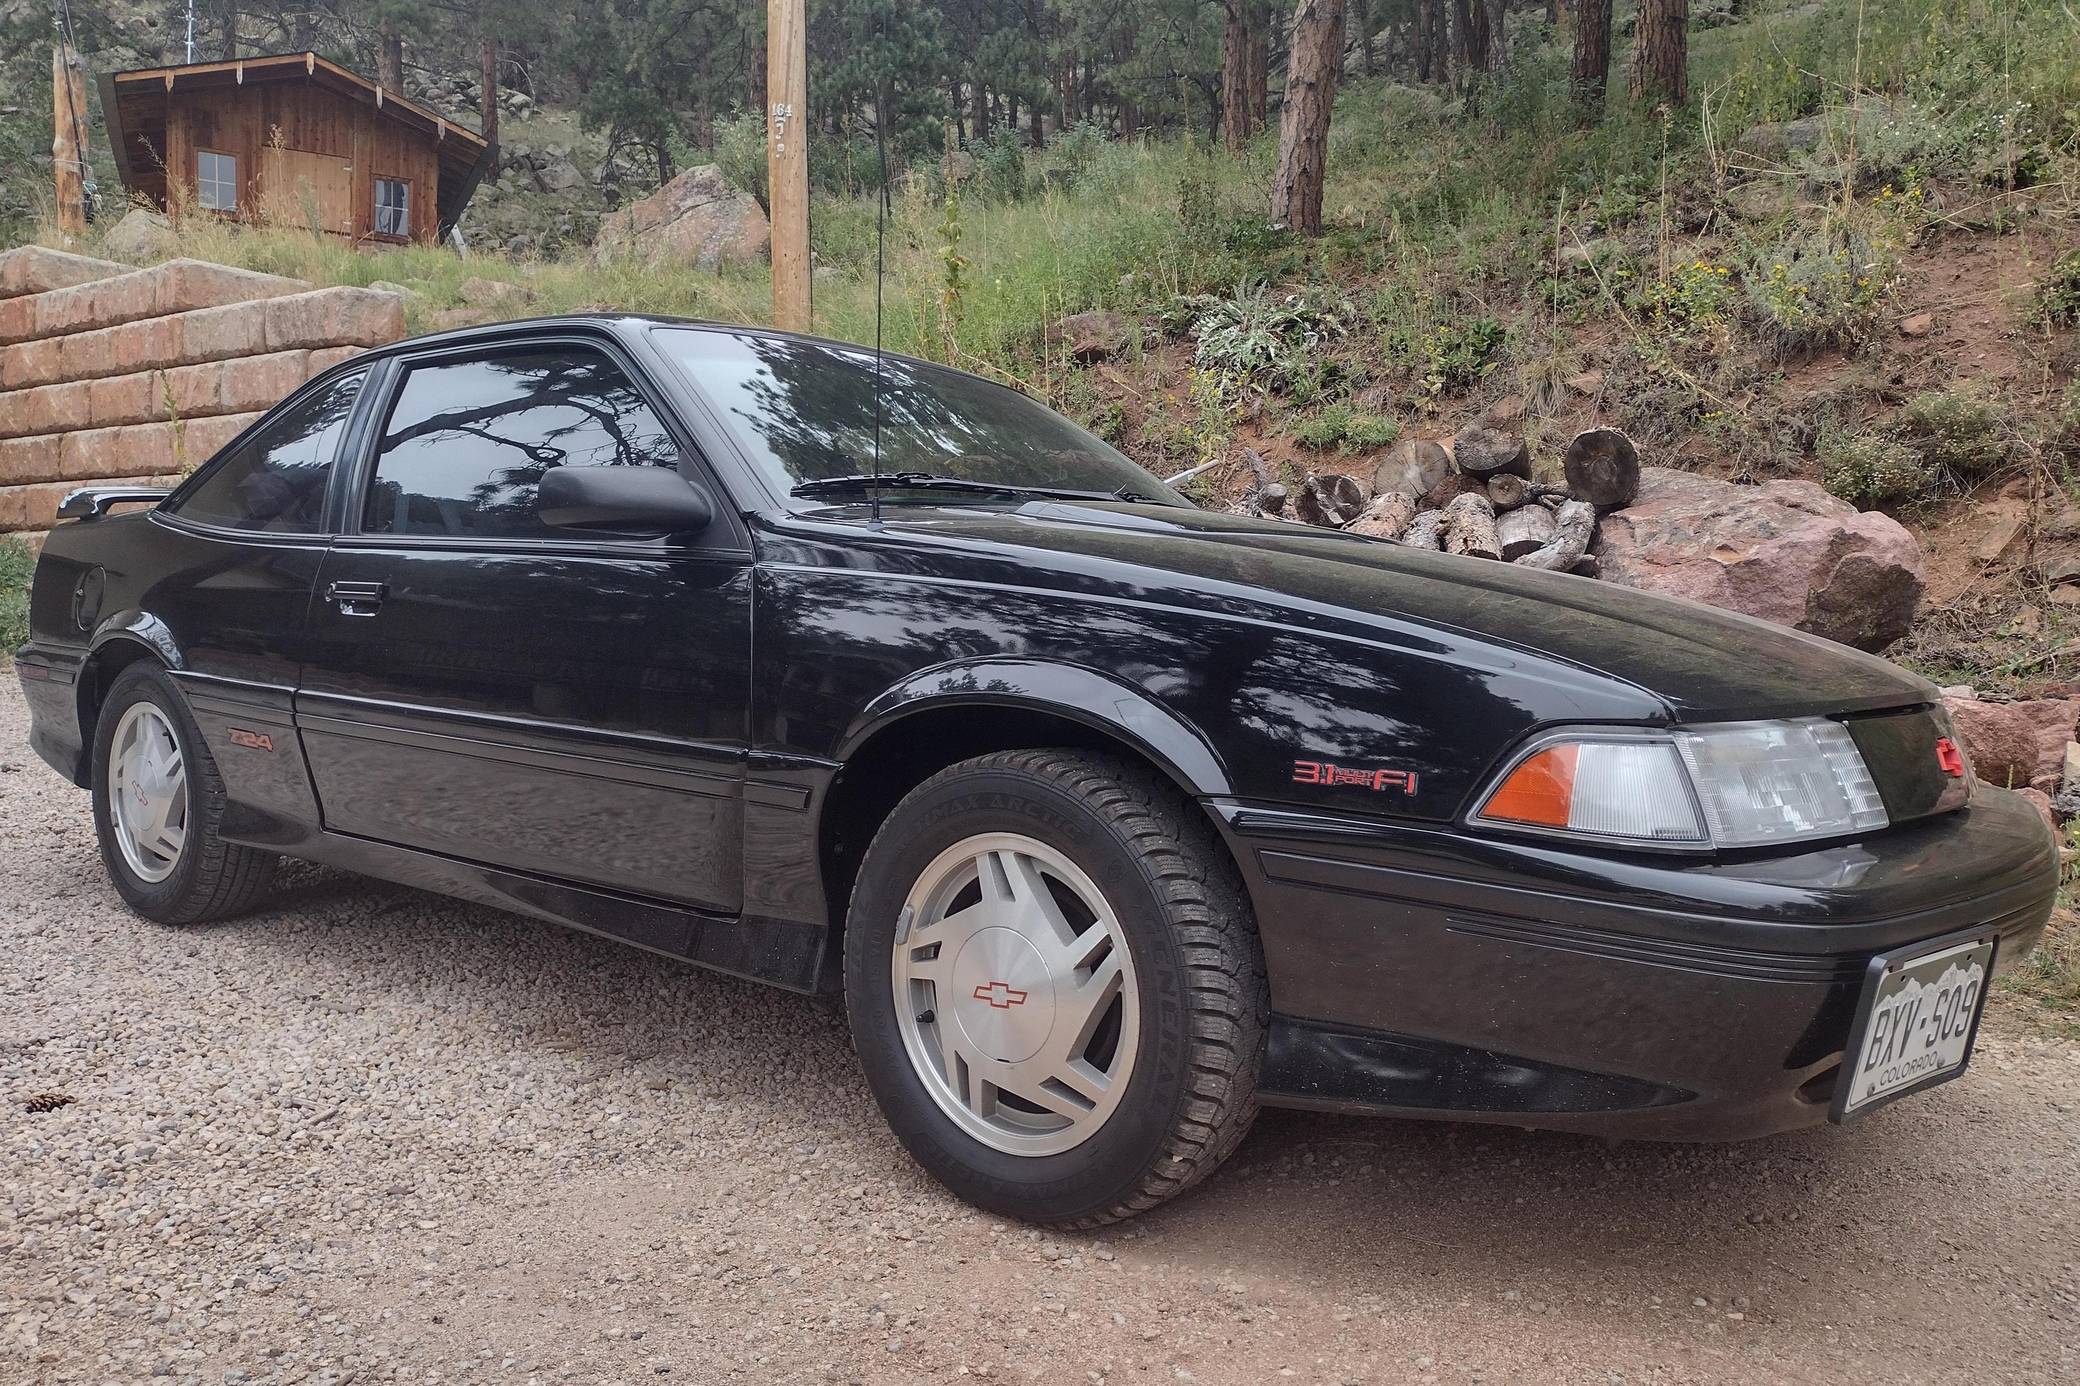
(1003, 995)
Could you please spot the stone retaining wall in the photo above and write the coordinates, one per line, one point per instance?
(115, 374)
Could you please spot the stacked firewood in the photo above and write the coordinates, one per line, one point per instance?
(1473, 495)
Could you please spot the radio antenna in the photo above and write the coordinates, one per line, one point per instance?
(880, 241)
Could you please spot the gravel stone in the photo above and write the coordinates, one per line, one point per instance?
(371, 1135)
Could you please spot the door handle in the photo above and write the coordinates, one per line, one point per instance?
(356, 598)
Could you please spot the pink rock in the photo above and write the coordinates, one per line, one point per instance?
(2052, 720)
(2041, 801)
(1786, 551)
(2001, 741)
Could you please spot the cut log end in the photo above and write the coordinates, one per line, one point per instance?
(1481, 450)
(1507, 491)
(1602, 468)
(1525, 530)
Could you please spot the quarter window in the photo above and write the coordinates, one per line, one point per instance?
(216, 181)
(273, 482)
(393, 207)
(467, 442)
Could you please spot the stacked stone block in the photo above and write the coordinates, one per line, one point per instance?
(110, 374)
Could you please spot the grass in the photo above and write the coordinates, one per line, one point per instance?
(17, 564)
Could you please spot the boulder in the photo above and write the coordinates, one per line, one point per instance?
(141, 237)
(1786, 551)
(1765, 199)
(560, 176)
(2001, 741)
(2051, 722)
(697, 219)
(493, 293)
(2041, 802)
(1091, 337)
(1777, 139)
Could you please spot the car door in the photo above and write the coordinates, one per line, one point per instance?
(479, 684)
(235, 553)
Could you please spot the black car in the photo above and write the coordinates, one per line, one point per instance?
(1111, 818)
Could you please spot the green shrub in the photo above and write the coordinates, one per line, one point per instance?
(17, 564)
(1820, 287)
(1961, 431)
(1454, 355)
(1872, 469)
(1252, 331)
(1347, 429)
(2058, 296)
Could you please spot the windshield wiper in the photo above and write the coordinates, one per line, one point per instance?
(930, 481)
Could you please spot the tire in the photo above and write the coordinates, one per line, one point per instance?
(204, 878)
(929, 929)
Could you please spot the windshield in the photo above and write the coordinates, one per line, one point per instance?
(805, 411)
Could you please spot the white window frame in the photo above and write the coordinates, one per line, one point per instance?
(403, 210)
(216, 181)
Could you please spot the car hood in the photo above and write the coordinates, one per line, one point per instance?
(1705, 664)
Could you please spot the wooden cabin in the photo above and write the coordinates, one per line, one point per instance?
(292, 139)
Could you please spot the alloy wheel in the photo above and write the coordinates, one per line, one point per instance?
(1015, 994)
(148, 792)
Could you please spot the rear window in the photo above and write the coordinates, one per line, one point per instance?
(273, 481)
(804, 410)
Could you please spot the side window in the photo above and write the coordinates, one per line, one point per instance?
(393, 207)
(467, 442)
(216, 181)
(274, 481)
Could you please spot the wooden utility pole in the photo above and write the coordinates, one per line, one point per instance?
(69, 138)
(787, 160)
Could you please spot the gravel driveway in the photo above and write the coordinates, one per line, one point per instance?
(370, 1134)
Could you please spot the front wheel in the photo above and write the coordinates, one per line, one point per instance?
(1055, 986)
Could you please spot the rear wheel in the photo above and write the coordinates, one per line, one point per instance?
(158, 802)
(1055, 986)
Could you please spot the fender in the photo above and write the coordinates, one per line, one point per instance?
(138, 628)
(1066, 690)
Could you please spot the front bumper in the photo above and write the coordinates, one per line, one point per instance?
(1425, 972)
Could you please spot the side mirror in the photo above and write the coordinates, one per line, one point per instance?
(623, 498)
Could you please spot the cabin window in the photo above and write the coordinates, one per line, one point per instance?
(393, 207)
(216, 181)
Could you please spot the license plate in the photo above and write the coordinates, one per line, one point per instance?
(1916, 1022)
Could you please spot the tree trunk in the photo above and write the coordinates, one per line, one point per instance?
(954, 104)
(1660, 59)
(1592, 55)
(1440, 41)
(1364, 8)
(390, 60)
(1470, 22)
(1498, 45)
(227, 29)
(1235, 126)
(1303, 136)
(487, 105)
(978, 112)
(1258, 78)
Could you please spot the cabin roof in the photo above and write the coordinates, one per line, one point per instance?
(134, 102)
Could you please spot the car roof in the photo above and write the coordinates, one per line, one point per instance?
(623, 322)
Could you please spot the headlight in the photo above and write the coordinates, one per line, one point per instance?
(1737, 784)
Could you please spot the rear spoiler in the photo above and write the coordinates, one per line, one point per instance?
(92, 502)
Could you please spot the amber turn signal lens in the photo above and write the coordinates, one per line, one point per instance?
(1539, 791)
